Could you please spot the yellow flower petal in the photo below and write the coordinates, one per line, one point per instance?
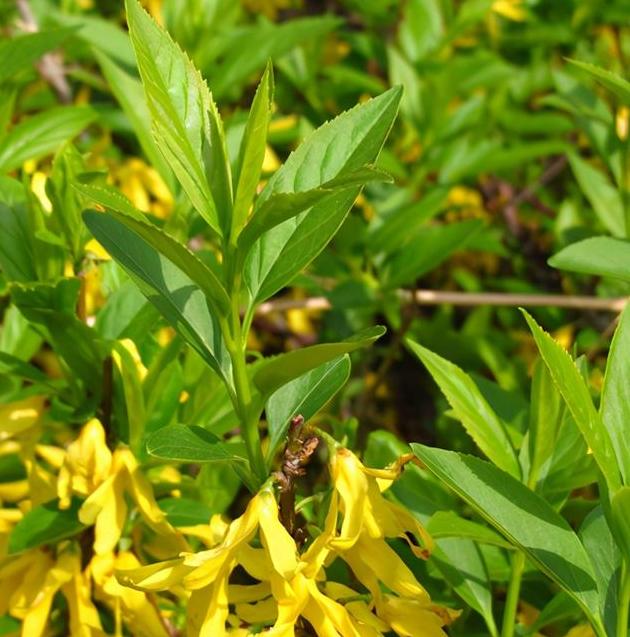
(20, 415)
(386, 566)
(210, 562)
(155, 577)
(352, 486)
(275, 538)
(208, 607)
(410, 618)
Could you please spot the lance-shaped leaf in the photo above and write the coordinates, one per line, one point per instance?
(614, 406)
(16, 54)
(612, 81)
(163, 243)
(570, 384)
(606, 559)
(186, 123)
(272, 373)
(603, 256)
(304, 396)
(546, 414)
(603, 196)
(176, 296)
(42, 134)
(523, 517)
(252, 151)
(471, 408)
(45, 524)
(192, 444)
(347, 143)
(284, 205)
(130, 95)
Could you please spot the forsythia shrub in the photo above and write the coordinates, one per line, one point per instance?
(160, 476)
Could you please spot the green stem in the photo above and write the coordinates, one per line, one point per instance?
(624, 600)
(242, 396)
(513, 594)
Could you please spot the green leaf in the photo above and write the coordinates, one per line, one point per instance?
(471, 408)
(274, 372)
(606, 560)
(130, 95)
(305, 395)
(347, 143)
(175, 252)
(248, 49)
(45, 524)
(285, 205)
(523, 517)
(176, 296)
(445, 524)
(16, 246)
(182, 443)
(16, 367)
(186, 124)
(620, 520)
(546, 414)
(601, 194)
(9, 625)
(18, 53)
(603, 256)
(42, 134)
(570, 384)
(613, 82)
(98, 32)
(185, 512)
(51, 308)
(399, 227)
(252, 151)
(461, 564)
(614, 406)
(429, 247)
(133, 396)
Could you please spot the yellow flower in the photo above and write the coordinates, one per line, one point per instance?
(206, 573)
(92, 470)
(288, 587)
(132, 607)
(144, 187)
(18, 416)
(366, 511)
(29, 583)
(510, 9)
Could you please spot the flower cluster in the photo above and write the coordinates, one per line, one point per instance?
(255, 579)
(81, 569)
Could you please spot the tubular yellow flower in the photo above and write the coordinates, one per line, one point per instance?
(136, 610)
(29, 583)
(365, 510)
(206, 573)
(107, 510)
(87, 464)
(91, 470)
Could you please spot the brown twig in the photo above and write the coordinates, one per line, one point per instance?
(49, 66)
(465, 299)
(297, 453)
